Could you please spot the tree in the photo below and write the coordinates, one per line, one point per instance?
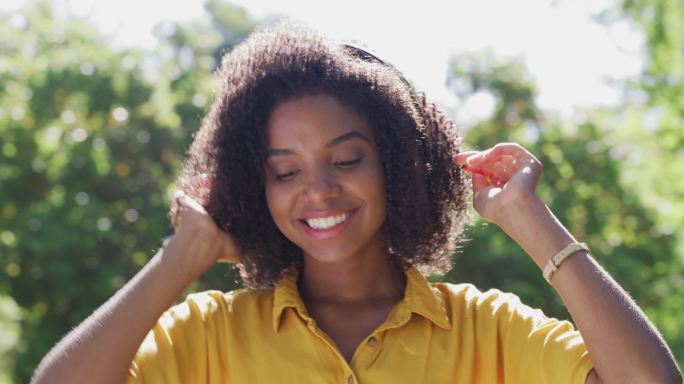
(91, 139)
(90, 142)
(590, 182)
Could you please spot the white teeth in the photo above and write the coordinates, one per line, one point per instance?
(327, 222)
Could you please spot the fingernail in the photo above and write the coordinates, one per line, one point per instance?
(180, 199)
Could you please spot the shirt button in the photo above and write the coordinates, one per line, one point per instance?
(373, 341)
(350, 379)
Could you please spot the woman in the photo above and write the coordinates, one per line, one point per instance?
(331, 182)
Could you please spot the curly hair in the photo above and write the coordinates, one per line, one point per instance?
(426, 192)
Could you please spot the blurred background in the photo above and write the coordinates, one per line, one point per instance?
(99, 101)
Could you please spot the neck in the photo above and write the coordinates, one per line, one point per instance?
(352, 280)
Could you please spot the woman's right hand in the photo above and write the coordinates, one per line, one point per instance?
(203, 242)
(101, 348)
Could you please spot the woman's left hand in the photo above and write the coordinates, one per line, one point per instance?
(502, 175)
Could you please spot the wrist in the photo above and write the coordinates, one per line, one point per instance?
(190, 252)
(510, 215)
(531, 224)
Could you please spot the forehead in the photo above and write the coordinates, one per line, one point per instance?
(313, 117)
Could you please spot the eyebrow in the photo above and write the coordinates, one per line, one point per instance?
(336, 141)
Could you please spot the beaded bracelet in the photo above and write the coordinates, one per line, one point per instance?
(555, 262)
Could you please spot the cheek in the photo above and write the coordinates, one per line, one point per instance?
(278, 205)
(374, 189)
(382, 200)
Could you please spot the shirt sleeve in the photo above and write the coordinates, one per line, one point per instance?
(182, 345)
(535, 348)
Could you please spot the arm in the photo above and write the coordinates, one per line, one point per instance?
(624, 346)
(101, 348)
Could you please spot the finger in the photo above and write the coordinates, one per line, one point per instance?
(508, 160)
(498, 152)
(507, 173)
(478, 159)
(173, 219)
(504, 169)
(177, 194)
(480, 182)
(181, 203)
(509, 149)
(495, 181)
(480, 171)
(191, 203)
(517, 152)
(175, 215)
(462, 158)
(497, 168)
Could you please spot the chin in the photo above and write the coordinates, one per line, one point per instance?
(327, 256)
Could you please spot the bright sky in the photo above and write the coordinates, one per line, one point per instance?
(569, 54)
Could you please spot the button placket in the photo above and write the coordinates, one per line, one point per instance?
(350, 379)
(369, 351)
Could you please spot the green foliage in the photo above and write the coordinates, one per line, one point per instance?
(605, 179)
(656, 125)
(9, 333)
(90, 142)
(91, 139)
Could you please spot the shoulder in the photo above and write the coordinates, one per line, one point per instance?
(496, 327)
(180, 341)
(467, 301)
(213, 303)
(471, 296)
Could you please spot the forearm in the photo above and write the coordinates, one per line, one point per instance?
(623, 344)
(101, 348)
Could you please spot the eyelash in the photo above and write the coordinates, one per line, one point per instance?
(285, 176)
(342, 164)
(349, 163)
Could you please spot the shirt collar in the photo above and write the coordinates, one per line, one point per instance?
(420, 298)
(286, 295)
(424, 299)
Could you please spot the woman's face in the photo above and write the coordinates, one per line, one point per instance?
(324, 179)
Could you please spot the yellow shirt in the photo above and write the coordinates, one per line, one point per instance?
(438, 333)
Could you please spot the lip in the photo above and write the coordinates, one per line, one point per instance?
(326, 213)
(321, 234)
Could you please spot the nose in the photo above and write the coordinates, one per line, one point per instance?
(321, 186)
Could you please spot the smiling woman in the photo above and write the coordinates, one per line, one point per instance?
(348, 90)
(331, 202)
(332, 184)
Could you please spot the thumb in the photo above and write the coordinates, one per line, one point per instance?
(479, 182)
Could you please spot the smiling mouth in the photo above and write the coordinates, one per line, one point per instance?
(323, 223)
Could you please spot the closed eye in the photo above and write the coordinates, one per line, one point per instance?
(286, 176)
(348, 163)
